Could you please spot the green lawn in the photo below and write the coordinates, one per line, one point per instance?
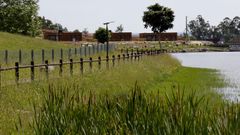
(16, 42)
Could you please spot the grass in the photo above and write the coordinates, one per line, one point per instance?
(134, 113)
(16, 42)
(13, 43)
(106, 101)
(171, 47)
(116, 82)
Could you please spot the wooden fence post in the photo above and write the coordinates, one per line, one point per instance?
(43, 56)
(131, 56)
(32, 55)
(32, 70)
(99, 62)
(52, 55)
(46, 69)
(90, 64)
(81, 65)
(71, 67)
(60, 67)
(17, 72)
(20, 56)
(135, 56)
(127, 56)
(119, 57)
(6, 56)
(138, 56)
(113, 60)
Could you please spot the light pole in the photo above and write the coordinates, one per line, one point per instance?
(106, 23)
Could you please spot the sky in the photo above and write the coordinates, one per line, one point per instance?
(91, 14)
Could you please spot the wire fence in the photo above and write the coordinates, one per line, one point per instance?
(9, 57)
(32, 72)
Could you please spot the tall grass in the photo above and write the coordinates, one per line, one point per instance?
(153, 74)
(136, 112)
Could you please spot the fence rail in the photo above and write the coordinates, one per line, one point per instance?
(23, 56)
(132, 56)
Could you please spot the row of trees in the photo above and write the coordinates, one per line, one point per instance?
(48, 24)
(224, 31)
(21, 16)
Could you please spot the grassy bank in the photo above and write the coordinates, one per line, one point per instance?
(172, 46)
(16, 42)
(155, 74)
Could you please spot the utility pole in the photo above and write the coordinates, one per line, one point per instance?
(186, 29)
(106, 23)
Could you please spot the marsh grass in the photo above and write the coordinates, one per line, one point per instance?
(155, 75)
(137, 112)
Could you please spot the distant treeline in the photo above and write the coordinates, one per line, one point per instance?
(224, 31)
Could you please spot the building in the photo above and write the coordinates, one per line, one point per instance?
(122, 36)
(169, 36)
(234, 44)
(62, 36)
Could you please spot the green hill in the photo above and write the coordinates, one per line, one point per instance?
(16, 42)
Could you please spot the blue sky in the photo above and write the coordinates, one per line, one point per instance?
(90, 14)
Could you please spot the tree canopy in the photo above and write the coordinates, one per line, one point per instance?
(19, 16)
(199, 28)
(225, 30)
(101, 35)
(158, 18)
(48, 24)
(119, 28)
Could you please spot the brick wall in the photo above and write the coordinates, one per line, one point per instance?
(62, 36)
(170, 36)
(124, 36)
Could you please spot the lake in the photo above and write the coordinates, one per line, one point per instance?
(228, 63)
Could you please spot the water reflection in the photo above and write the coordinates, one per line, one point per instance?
(228, 63)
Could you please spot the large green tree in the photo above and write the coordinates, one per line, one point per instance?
(101, 35)
(158, 18)
(19, 16)
(199, 28)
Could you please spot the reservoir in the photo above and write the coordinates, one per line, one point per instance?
(227, 63)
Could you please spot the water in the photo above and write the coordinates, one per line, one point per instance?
(228, 63)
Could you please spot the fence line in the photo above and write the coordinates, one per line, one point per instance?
(129, 57)
(8, 56)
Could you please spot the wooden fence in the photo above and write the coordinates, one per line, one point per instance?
(134, 56)
(24, 56)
